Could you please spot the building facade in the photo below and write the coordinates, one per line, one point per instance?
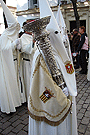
(30, 10)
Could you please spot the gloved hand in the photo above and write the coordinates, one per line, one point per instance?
(18, 45)
(17, 41)
(65, 91)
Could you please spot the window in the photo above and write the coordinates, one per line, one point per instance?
(32, 4)
(34, 1)
(73, 24)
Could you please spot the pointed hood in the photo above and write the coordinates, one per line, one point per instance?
(46, 11)
(60, 19)
(63, 30)
(59, 49)
(9, 17)
(53, 27)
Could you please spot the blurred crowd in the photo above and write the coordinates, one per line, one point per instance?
(79, 48)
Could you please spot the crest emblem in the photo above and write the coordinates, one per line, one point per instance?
(46, 95)
(69, 68)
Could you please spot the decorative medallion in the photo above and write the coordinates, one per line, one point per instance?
(69, 68)
(46, 95)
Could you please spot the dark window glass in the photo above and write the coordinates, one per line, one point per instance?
(73, 24)
(34, 1)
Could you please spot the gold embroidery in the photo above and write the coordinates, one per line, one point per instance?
(44, 68)
(52, 123)
(35, 109)
(46, 95)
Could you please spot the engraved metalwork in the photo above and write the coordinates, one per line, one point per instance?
(38, 27)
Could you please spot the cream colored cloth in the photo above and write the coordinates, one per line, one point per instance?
(67, 127)
(46, 99)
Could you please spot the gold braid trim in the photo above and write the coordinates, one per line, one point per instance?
(37, 110)
(44, 67)
(52, 123)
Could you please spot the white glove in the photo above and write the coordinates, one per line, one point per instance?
(18, 45)
(17, 41)
(65, 91)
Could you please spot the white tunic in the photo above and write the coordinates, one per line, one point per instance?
(27, 51)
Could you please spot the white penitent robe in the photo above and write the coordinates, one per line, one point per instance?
(24, 64)
(69, 125)
(27, 50)
(9, 92)
(88, 74)
(42, 128)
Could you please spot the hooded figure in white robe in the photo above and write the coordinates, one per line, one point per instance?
(69, 125)
(9, 92)
(20, 69)
(25, 45)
